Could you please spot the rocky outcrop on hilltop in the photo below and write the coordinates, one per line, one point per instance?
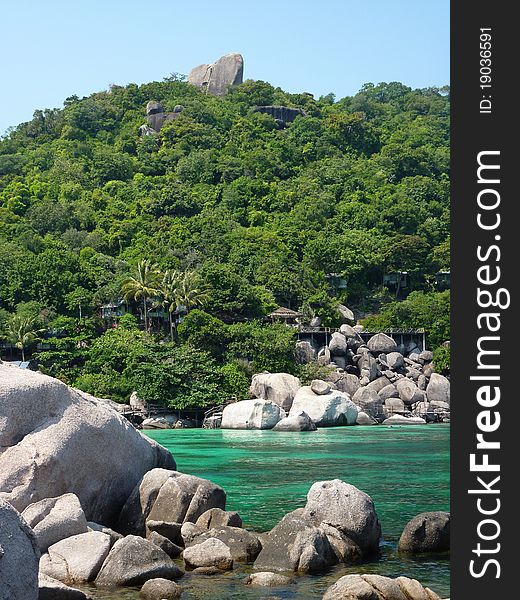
(217, 78)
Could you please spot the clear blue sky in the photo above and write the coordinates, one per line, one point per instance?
(52, 49)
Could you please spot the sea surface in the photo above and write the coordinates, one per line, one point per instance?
(267, 474)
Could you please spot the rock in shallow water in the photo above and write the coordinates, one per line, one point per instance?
(251, 414)
(171, 497)
(376, 587)
(296, 422)
(325, 410)
(160, 589)
(133, 560)
(212, 552)
(427, 532)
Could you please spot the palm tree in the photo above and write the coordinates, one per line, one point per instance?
(192, 290)
(22, 331)
(169, 295)
(143, 286)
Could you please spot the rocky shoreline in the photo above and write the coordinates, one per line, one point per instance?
(86, 499)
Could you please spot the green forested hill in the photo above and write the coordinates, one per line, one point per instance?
(357, 188)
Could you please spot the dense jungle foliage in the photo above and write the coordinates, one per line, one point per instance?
(263, 216)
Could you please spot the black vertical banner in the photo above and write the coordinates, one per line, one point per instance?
(485, 245)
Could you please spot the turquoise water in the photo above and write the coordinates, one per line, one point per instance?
(267, 474)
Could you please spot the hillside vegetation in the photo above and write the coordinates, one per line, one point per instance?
(262, 216)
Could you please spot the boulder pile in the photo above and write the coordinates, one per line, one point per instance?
(370, 382)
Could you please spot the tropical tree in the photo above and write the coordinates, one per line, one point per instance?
(168, 296)
(22, 331)
(142, 286)
(191, 290)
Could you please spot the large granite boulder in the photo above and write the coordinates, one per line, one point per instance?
(19, 555)
(377, 587)
(278, 388)
(216, 78)
(409, 392)
(368, 400)
(427, 532)
(346, 508)
(251, 414)
(338, 524)
(380, 342)
(296, 422)
(268, 579)
(132, 561)
(171, 497)
(76, 559)
(296, 545)
(55, 519)
(305, 352)
(345, 382)
(56, 440)
(438, 389)
(325, 410)
(338, 344)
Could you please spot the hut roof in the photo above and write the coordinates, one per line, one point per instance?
(285, 313)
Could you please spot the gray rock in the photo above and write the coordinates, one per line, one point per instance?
(65, 441)
(427, 532)
(409, 392)
(365, 419)
(394, 405)
(268, 579)
(296, 545)
(296, 422)
(395, 361)
(438, 388)
(402, 420)
(212, 552)
(320, 387)
(389, 391)
(251, 414)
(428, 370)
(305, 353)
(368, 366)
(377, 587)
(439, 404)
(346, 314)
(55, 519)
(422, 382)
(315, 322)
(19, 555)
(216, 78)
(160, 589)
(114, 536)
(338, 344)
(369, 402)
(346, 508)
(348, 383)
(76, 559)
(171, 497)
(52, 589)
(278, 388)
(426, 356)
(326, 410)
(414, 357)
(190, 531)
(171, 531)
(132, 561)
(243, 545)
(165, 544)
(380, 342)
(324, 356)
(216, 517)
(153, 108)
(378, 384)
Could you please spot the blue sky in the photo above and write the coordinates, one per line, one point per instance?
(52, 49)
